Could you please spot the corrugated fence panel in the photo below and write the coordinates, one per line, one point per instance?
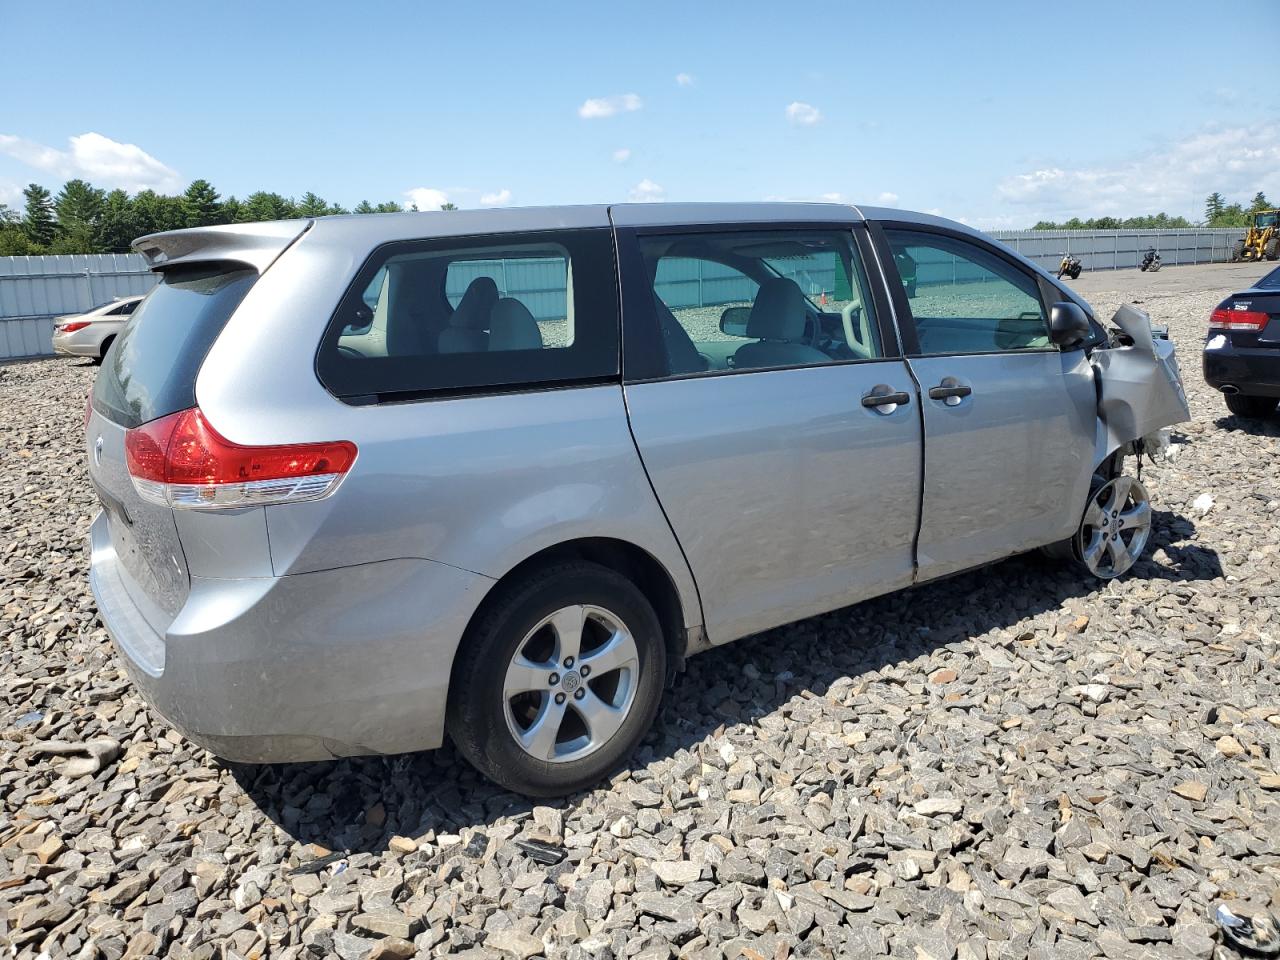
(35, 289)
(1122, 249)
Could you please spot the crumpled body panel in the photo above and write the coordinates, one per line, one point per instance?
(1140, 389)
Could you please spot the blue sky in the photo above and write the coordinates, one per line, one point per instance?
(998, 114)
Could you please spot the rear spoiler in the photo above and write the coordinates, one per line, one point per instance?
(255, 244)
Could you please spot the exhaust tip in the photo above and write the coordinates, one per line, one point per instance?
(1230, 389)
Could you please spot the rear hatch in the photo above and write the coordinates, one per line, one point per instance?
(151, 373)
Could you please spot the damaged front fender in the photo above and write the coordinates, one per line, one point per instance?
(1139, 387)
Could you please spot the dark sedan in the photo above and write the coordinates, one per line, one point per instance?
(1242, 352)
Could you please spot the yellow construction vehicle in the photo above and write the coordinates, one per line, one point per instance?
(1260, 240)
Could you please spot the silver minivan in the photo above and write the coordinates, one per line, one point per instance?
(370, 480)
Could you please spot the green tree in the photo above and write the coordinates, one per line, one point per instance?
(13, 242)
(200, 205)
(38, 222)
(1213, 205)
(312, 206)
(154, 212)
(364, 206)
(448, 206)
(79, 209)
(1260, 202)
(231, 209)
(118, 227)
(266, 206)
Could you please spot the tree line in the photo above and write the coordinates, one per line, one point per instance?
(1217, 213)
(83, 218)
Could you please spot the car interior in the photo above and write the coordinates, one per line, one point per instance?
(788, 314)
(412, 306)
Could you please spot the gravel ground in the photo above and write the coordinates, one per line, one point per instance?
(1015, 762)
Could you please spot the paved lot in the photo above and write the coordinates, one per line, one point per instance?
(1016, 762)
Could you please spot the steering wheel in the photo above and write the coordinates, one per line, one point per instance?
(351, 353)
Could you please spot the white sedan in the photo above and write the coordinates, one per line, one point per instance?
(90, 334)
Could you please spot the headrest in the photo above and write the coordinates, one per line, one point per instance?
(512, 327)
(473, 309)
(778, 312)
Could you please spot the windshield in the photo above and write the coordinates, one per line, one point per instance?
(1263, 220)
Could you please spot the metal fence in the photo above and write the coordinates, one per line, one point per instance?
(1122, 249)
(34, 290)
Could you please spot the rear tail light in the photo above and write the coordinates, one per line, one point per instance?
(1224, 319)
(72, 327)
(180, 461)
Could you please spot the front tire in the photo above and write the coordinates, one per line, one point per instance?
(1253, 408)
(558, 680)
(1237, 251)
(102, 354)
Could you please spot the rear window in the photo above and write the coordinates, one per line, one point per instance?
(151, 369)
(1270, 282)
(479, 314)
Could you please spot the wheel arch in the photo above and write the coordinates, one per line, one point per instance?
(631, 561)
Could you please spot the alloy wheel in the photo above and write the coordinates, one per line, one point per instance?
(1115, 527)
(571, 683)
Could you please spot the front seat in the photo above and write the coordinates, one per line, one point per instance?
(777, 320)
(512, 327)
(470, 320)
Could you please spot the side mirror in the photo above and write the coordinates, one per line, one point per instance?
(734, 321)
(1068, 325)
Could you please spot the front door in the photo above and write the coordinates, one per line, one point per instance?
(1009, 420)
(780, 432)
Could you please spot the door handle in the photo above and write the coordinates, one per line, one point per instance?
(950, 393)
(885, 398)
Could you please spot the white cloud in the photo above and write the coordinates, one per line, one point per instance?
(1174, 177)
(599, 107)
(427, 198)
(622, 155)
(498, 199)
(646, 191)
(684, 79)
(96, 158)
(887, 199)
(11, 196)
(803, 114)
(834, 197)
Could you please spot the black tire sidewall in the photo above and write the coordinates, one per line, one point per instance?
(1250, 407)
(476, 718)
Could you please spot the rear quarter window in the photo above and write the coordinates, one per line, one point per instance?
(477, 314)
(151, 370)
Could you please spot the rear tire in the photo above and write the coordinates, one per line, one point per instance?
(492, 705)
(1250, 407)
(1272, 249)
(1075, 273)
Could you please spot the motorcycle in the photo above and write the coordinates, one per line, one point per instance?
(1150, 263)
(1070, 266)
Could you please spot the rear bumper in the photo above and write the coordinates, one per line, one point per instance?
(80, 343)
(298, 668)
(1254, 372)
